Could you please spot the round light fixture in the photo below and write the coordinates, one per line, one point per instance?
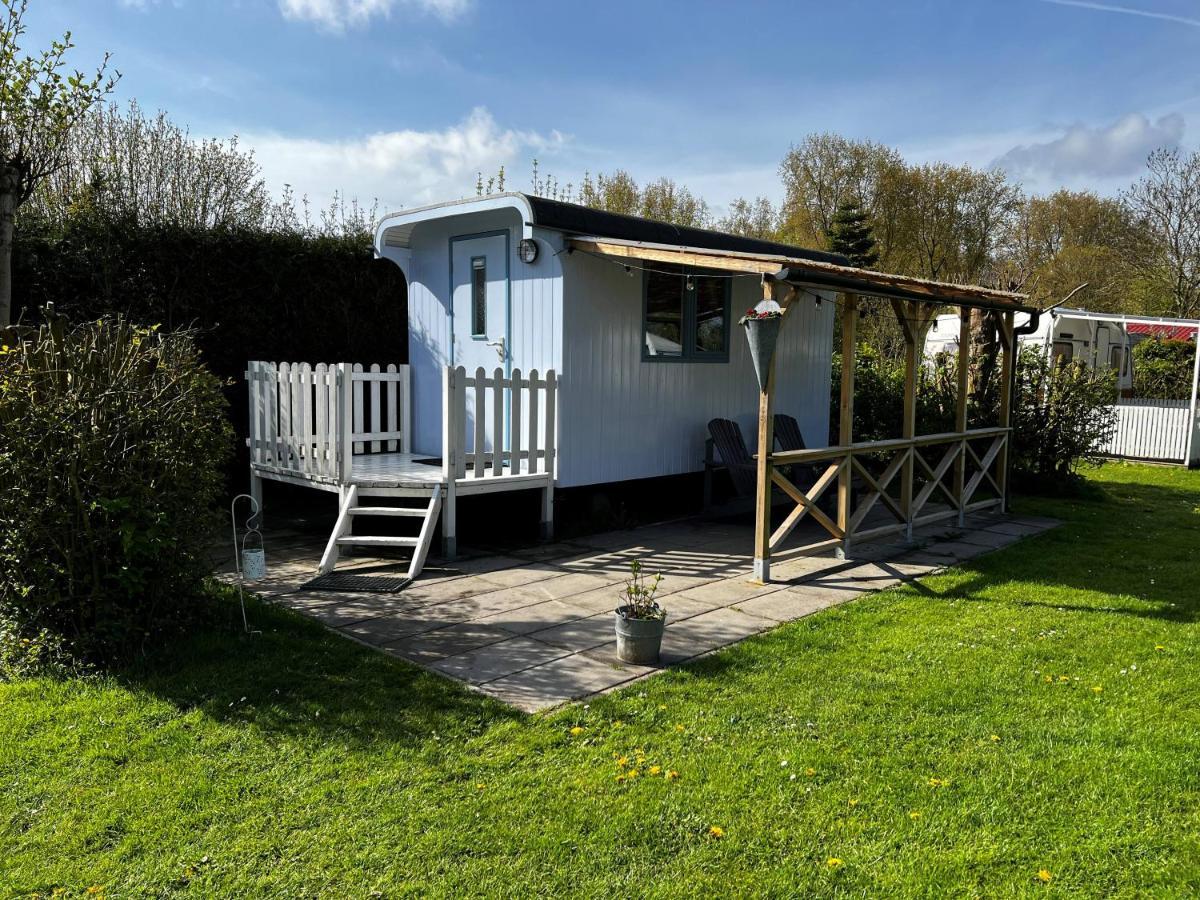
(527, 250)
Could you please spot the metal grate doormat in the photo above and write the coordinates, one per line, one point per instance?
(344, 581)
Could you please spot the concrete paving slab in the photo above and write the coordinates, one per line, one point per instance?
(449, 641)
(567, 678)
(517, 576)
(730, 590)
(498, 660)
(384, 630)
(715, 629)
(786, 606)
(534, 617)
(581, 634)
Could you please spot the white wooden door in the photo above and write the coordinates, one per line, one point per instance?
(479, 273)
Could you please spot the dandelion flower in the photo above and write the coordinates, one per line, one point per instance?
(914, 815)
(479, 786)
(833, 862)
(1047, 679)
(632, 773)
(654, 770)
(853, 801)
(577, 730)
(1044, 875)
(716, 831)
(662, 706)
(622, 761)
(1159, 647)
(995, 738)
(1097, 689)
(671, 775)
(938, 782)
(618, 724)
(679, 728)
(810, 772)
(620, 778)
(1064, 677)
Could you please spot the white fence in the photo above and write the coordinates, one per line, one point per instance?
(1158, 430)
(311, 420)
(520, 411)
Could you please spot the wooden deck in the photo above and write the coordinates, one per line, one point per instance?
(409, 472)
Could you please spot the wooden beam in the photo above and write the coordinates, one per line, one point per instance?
(908, 412)
(766, 444)
(809, 503)
(960, 403)
(846, 413)
(768, 263)
(805, 505)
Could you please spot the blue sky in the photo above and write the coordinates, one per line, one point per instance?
(404, 100)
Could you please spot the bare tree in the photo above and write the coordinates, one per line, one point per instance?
(41, 102)
(1166, 203)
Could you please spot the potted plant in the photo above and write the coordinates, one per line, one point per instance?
(762, 332)
(639, 619)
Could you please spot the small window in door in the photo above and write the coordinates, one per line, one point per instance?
(1062, 352)
(478, 296)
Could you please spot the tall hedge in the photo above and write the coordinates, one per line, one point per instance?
(248, 293)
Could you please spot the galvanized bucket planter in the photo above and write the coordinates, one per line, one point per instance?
(639, 641)
(762, 334)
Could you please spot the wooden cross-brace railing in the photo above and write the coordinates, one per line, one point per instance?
(956, 447)
(969, 459)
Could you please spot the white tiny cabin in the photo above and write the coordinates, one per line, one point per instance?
(535, 364)
(646, 353)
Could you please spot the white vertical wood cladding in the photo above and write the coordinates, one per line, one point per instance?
(535, 304)
(623, 418)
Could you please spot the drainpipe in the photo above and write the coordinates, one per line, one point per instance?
(1020, 331)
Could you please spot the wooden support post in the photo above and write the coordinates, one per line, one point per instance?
(908, 417)
(1008, 368)
(766, 443)
(960, 409)
(846, 417)
(451, 452)
(346, 421)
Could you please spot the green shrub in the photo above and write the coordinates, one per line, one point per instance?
(1162, 370)
(1062, 417)
(114, 442)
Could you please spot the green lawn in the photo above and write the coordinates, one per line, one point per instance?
(1037, 710)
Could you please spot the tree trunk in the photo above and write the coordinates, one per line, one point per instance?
(8, 209)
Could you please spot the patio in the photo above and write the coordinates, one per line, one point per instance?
(534, 628)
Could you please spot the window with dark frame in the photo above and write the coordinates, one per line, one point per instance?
(478, 296)
(685, 315)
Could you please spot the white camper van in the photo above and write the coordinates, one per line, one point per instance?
(1100, 340)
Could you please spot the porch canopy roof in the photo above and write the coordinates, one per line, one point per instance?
(806, 272)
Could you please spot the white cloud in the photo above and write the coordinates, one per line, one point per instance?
(1083, 151)
(337, 15)
(400, 168)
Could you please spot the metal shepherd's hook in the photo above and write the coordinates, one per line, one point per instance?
(249, 562)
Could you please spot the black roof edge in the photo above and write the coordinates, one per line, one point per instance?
(587, 222)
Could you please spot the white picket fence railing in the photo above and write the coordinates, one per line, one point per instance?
(1153, 430)
(520, 410)
(299, 421)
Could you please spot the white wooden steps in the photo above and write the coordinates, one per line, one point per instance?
(343, 537)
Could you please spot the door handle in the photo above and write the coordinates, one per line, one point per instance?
(500, 349)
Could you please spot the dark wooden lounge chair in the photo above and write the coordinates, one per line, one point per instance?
(726, 438)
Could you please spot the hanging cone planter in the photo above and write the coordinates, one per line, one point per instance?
(762, 333)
